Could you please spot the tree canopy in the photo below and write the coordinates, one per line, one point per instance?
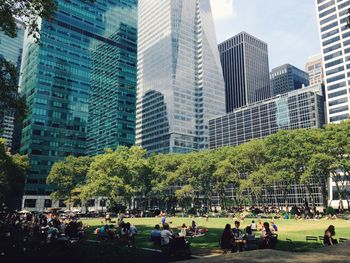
(304, 156)
(13, 170)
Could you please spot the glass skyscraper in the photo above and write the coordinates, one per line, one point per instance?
(11, 50)
(335, 42)
(89, 49)
(112, 104)
(180, 82)
(287, 78)
(245, 65)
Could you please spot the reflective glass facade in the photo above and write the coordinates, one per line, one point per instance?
(11, 50)
(86, 50)
(335, 43)
(287, 78)
(180, 83)
(112, 103)
(245, 65)
(302, 108)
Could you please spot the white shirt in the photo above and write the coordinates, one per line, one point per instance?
(133, 230)
(165, 237)
(183, 232)
(253, 226)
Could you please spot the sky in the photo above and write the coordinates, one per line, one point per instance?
(289, 27)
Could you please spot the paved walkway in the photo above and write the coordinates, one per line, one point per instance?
(339, 253)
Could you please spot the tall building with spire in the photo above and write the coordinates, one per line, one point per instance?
(180, 82)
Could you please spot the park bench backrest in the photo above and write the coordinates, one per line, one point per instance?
(311, 238)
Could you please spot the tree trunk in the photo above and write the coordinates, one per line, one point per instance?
(323, 185)
(285, 200)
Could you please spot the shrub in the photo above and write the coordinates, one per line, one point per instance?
(223, 213)
(330, 210)
(192, 211)
(294, 210)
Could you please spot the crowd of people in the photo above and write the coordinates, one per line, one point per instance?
(170, 241)
(235, 239)
(31, 232)
(21, 233)
(123, 232)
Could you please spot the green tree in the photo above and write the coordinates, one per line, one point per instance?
(288, 153)
(224, 176)
(9, 97)
(333, 159)
(185, 196)
(115, 175)
(67, 177)
(165, 180)
(249, 160)
(13, 170)
(28, 12)
(196, 171)
(320, 167)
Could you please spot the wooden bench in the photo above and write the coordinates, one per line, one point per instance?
(290, 244)
(321, 238)
(311, 238)
(341, 240)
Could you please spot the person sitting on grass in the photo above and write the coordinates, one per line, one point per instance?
(236, 231)
(183, 231)
(227, 240)
(239, 237)
(194, 228)
(155, 235)
(269, 238)
(249, 237)
(274, 226)
(108, 218)
(253, 226)
(132, 230)
(103, 232)
(166, 238)
(328, 239)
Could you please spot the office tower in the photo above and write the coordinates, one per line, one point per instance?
(10, 50)
(287, 78)
(112, 104)
(180, 83)
(314, 67)
(335, 42)
(303, 108)
(88, 48)
(245, 66)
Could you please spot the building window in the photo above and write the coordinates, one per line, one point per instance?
(61, 203)
(30, 203)
(47, 203)
(90, 202)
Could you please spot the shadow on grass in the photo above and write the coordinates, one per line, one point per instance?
(297, 246)
(210, 241)
(88, 252)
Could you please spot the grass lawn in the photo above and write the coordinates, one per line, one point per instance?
(291, 229)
